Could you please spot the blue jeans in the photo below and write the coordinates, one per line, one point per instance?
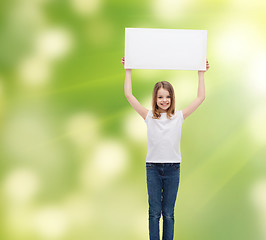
(162, 185)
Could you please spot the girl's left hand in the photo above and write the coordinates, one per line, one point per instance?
(207, 67)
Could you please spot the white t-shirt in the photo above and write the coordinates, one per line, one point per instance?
(164, 137)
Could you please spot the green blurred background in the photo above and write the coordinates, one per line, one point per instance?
(73, 150)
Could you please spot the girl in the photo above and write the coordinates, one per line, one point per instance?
(163, 156)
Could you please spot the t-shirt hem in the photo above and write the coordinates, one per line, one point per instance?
(163, 161)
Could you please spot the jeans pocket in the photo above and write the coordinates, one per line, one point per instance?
(149, 165)
(175, 165)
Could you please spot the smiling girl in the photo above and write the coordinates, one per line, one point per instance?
(163, 156)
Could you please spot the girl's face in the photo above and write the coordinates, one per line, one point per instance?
(163, 100)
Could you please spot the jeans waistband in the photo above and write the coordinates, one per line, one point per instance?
(162, 164)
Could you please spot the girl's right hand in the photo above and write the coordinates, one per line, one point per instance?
(123, 62)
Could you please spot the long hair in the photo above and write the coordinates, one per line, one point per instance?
(155, 109)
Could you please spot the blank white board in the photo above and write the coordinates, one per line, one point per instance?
(174, 49)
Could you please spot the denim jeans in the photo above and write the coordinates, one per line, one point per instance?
(162, 186)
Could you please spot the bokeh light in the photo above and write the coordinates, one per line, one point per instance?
(86, 8)
(83, 129)
(21, 186)
(50, 222)
(135, 127)
(258, 200)
(169, 10)
(109, 160)
(34, 72)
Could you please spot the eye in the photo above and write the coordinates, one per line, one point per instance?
(168, 97)
(159, 97)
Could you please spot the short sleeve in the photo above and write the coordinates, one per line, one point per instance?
(147, 117)
(181, 116)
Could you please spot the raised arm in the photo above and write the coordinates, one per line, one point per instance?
(201, 94)
(128, 93)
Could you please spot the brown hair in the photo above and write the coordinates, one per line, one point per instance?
(155, 109)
